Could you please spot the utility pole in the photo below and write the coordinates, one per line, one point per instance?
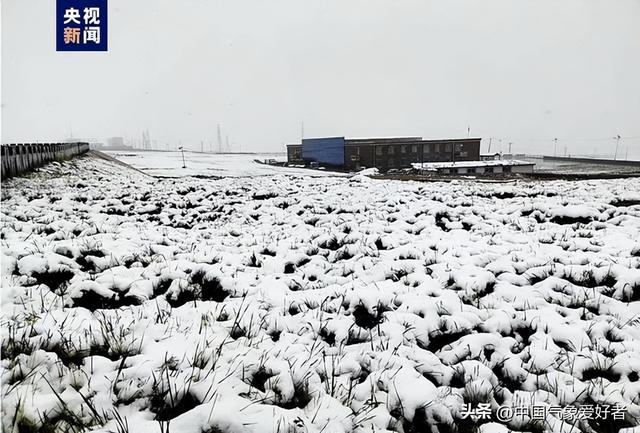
(301, 130)
(510, 143)
(489, 148)
(615, 155)
(219, 140)
(555, 146)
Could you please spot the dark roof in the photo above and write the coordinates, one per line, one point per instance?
(405, 140)
(396, 141)
(382, 140)
(441, 140)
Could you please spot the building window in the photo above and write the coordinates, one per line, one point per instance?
(390, 150)
(390, 162)
(378, 150)
(427, 148)
(403, 149)
(448, 147)
(471, 170)
(414, 148)
(436, 147)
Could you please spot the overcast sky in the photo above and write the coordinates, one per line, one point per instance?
(523, 71)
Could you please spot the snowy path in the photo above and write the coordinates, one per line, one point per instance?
(291, 304)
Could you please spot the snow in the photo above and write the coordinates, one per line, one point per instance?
(291, 303)
(372, 171)
(169, 164)
(464, 164)
(575, 211)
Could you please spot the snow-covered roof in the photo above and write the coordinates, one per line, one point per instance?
(469, 164)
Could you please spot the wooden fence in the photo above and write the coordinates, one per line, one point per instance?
(20, 158)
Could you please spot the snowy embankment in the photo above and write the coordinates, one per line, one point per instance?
(290, 304)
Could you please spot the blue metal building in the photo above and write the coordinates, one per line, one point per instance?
(327, 151)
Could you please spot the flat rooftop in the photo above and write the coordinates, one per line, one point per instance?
(391, 140)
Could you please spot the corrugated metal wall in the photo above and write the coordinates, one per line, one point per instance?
(328, 151)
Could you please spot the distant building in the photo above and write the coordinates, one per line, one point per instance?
(477, 167)
(115, 142)
(490, 156)
(382, 153)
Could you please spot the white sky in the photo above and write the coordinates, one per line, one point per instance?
(524, 71)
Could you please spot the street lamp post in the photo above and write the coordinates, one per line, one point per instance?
(184, 164)
(615, 155)
(555, 146)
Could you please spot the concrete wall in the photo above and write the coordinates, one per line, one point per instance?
(20, 158)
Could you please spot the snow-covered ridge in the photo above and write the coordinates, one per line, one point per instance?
(291, 304)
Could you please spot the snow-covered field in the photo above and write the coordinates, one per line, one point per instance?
(297, 304)
(169, 164)
(573, 167)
